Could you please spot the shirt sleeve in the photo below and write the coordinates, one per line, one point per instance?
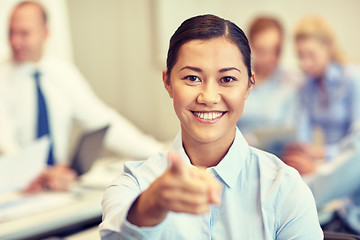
(122, 137)
(296, 210)
(117, 201)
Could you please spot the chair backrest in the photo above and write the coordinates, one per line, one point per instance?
(340, 236)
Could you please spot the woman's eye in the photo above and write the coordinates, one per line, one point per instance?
(227, 79)
(192, 78)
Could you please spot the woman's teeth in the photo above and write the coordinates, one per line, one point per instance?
(208, 115)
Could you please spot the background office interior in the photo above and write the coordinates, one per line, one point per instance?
(120, 45)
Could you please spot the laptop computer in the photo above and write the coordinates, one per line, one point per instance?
(274, 139)
(88, 150)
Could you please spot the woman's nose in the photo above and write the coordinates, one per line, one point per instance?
(209, 95)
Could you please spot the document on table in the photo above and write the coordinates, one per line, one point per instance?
(18, 170)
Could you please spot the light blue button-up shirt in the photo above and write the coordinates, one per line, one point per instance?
(335, 113)
(262, 198)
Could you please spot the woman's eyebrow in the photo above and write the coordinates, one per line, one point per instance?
(229, 69)
(196, 69)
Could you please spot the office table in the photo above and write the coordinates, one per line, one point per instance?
(84, 210)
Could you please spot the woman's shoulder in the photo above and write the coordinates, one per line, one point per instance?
(352, 72)
(279, 183)
(273, 169)
(149, 169)
(266, 158)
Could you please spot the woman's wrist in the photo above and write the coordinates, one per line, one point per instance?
(145, 212)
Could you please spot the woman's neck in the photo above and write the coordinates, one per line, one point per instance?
(207, 154)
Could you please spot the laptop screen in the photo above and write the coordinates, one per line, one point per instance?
(88, 150)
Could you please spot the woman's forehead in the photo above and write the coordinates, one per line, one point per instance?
(216, 51)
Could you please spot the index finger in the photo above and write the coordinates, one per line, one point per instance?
(176, 164)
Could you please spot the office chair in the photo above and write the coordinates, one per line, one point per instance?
(340, 236)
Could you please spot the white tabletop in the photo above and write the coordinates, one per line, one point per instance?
(85, 207)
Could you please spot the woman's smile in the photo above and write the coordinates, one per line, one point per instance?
(209, 117)
(209, 85)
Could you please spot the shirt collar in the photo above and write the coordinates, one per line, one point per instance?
(230, 166)
(29, 67)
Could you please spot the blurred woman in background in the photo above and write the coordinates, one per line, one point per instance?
(329, 99)
(328, 126)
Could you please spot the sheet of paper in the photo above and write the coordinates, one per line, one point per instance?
(18, 170)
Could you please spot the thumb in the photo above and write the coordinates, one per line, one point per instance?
(176, 164)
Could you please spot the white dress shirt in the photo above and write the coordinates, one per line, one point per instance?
(262, 198)
(68, 97)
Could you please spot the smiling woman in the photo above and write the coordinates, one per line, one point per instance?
(208, 79)
(211, 185)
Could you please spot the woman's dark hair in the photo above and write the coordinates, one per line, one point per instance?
(205, 27)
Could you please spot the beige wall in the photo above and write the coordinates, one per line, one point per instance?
(120, 45)
(114, 50)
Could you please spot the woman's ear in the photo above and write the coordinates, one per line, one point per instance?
(166, 81)
(251, 84)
